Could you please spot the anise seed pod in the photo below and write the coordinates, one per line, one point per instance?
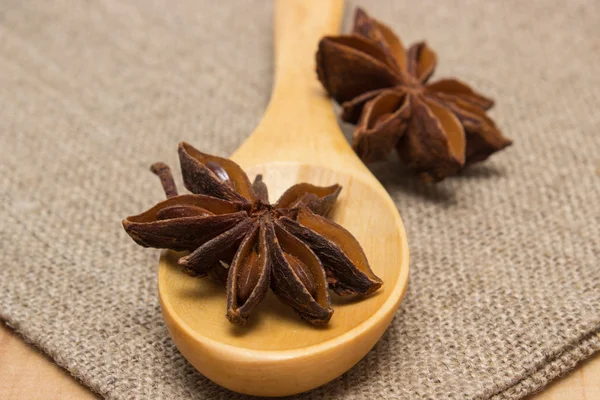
(347, 268)
(437, 128)
(249, 274)
(235, 236)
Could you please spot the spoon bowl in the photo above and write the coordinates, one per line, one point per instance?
(276, 353)
(298, 140)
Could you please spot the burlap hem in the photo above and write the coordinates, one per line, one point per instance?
(562, 363)
(45, 351)
(543, 374)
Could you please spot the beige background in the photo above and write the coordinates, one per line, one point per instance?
(504, 291)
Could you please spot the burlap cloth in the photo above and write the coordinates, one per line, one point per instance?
(504, 293)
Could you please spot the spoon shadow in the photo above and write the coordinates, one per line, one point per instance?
(481, 171)
(271, 308)
(395, 178)
(207, 289)
(337, 300)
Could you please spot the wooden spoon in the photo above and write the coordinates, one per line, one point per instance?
(298, 140)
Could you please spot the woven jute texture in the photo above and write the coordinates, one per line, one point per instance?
(504, 293)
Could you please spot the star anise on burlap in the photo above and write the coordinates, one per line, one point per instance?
(437, 128)
(237, 237)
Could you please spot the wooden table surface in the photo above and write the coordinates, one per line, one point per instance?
(25, 373)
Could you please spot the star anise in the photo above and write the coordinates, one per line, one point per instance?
(235, 236)
(437, 128)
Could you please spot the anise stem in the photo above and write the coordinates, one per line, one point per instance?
(163, 171)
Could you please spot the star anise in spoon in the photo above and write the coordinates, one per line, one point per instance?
(236, 236)
(437, 128)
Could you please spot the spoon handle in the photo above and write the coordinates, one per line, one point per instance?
(298, 27)
(299, 124)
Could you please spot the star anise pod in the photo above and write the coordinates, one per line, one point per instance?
(437, 128)
(234, 235)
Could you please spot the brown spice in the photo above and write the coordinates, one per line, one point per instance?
(237, 237)
(437, 128)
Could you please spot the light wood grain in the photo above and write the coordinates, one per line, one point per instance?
(583, 383)
(27, 374)
(298, 140)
